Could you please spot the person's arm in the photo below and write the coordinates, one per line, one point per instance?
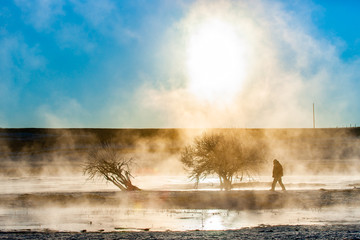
(273, 172)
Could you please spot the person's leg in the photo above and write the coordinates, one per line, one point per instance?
(273, 184)
(281, 184)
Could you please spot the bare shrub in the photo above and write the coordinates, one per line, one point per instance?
(225, 155)
(108, 162)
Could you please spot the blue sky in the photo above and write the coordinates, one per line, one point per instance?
(78, 63)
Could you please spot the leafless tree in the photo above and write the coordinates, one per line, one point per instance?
(225, 155)
(108, 162)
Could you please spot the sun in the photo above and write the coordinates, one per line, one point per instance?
(215, 61)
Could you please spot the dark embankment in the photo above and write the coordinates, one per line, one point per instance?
(317, 151)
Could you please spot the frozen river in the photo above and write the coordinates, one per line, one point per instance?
(85, 215)
(36, 184)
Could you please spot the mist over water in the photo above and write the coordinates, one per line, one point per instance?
(250, 64)
(119, 219)
(221, 67)
(60, 154)
(43, 185)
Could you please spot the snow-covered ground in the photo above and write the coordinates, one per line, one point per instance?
(261, 232)
(80, 183)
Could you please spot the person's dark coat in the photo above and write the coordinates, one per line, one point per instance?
(277, 170)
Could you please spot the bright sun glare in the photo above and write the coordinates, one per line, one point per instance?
(215, 61)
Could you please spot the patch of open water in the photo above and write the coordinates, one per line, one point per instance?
(124, 219)
(113, 218)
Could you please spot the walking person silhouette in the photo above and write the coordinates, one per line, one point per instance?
(277, 175)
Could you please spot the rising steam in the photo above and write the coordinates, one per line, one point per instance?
(284, 67)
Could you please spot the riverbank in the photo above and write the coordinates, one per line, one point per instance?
(260, 232)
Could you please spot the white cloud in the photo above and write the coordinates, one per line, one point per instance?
(102, 16)
(41, 13)
(105, 17)
(17, 61)
(97, 13)
(74, 36)
(64, 112)
(289, 66)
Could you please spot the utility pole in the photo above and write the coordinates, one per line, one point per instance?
(313, 115)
